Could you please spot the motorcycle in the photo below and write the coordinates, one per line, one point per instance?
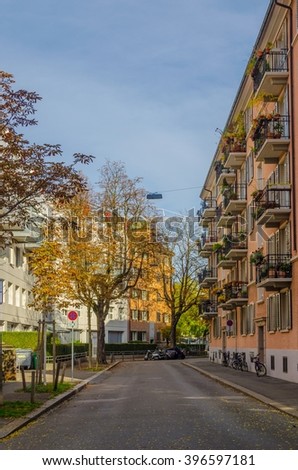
(155, 355)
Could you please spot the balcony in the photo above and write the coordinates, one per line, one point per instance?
(208, 309)
(270, 73)
(235, 198)
(273, 207)
(235, 155)
(275, 272)
(224, 175)
(209, 208)
(207, 277)
(206, 243)
(271, 137)
(223, 218)
(207, 212)
(225, 262)
(235, 246)
(236, 293)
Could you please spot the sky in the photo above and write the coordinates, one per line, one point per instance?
(144, 82)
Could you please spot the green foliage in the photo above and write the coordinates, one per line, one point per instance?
(20, 339)
(16, 409)
(192, 325)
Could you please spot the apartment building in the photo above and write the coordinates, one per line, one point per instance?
(249, 208)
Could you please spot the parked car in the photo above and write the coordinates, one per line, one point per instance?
(175, 353)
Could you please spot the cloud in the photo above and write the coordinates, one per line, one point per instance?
(145, 82)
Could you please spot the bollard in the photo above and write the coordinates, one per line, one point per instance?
(23, 377)
(32, 386)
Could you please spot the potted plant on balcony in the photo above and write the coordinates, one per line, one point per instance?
(271, 270)
(257, 257)
(284, 270)
(278, 129)
(216, 247)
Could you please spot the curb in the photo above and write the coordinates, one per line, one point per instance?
(276, 405)
(19, 423)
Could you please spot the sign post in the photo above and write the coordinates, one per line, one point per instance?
(229, 325)
(72, 316)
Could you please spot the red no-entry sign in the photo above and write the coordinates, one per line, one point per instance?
(72, 315)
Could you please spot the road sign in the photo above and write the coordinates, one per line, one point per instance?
(230, 322)
(72, 315)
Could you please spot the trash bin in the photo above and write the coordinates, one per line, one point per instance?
(24, 358)
(34, 360)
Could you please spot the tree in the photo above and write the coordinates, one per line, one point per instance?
(191, 324)
(105, 249)
(30, 174)
(179, 270)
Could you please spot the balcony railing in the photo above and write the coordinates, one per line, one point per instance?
(235, 245)
(274, 129)
(273, 206)
(274, 62)
(236, 292)
(223, 173)
(224, 218)
(208, 308)
(207, 276)
(274, 272)
(234, 198)
(205, 243)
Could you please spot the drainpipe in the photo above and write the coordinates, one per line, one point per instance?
(292, 124)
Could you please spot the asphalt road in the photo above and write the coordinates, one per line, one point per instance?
(158, 405)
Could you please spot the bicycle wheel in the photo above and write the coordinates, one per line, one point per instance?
(235, 364)
(261, 369)
(244, 367)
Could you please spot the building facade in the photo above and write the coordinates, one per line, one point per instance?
(249, 208)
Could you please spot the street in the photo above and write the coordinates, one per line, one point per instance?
(158, 405)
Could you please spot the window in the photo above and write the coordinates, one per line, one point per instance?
(158, 316)
(279, 311)
(217, 327)
(12, 326)
(18, 296)
(144, 295)
(247, 319)
(135, 293)
(134, 314)
(285, 310)
(144, 315)
(24, 298)
(19, 257)
(138, 335)
(10, 293)
(285, 364)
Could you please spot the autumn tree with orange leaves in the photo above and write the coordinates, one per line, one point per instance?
(105, 249)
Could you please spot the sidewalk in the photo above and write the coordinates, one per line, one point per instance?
(12, 391)
(280, 394)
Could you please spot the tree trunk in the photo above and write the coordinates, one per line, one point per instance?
(100, 315)
(173, 335)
